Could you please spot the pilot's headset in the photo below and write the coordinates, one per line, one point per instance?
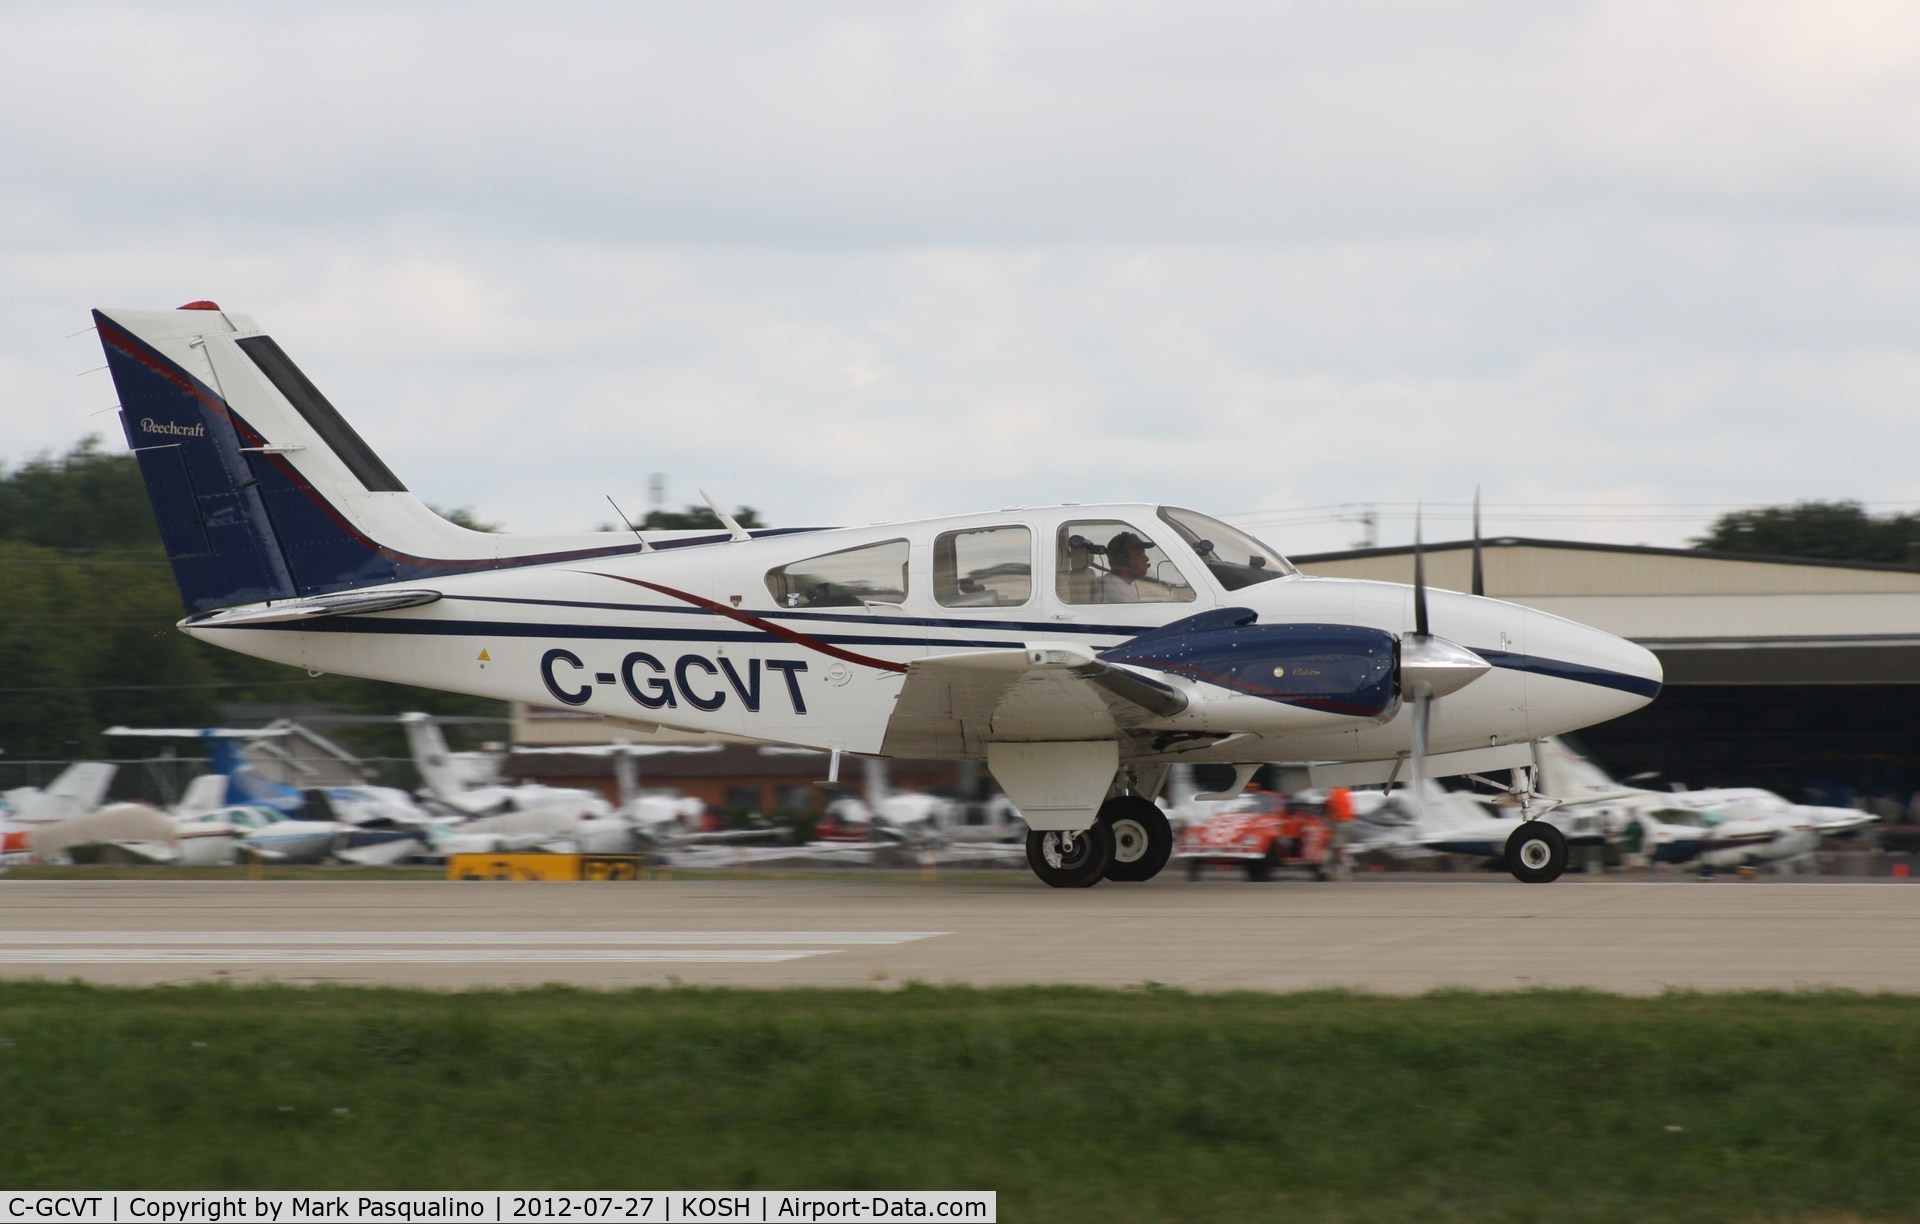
(1122, 547)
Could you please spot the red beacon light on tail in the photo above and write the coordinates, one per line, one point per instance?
(201, 305)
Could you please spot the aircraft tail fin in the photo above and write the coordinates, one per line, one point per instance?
(1568, 774)
(262, 490)
(445, 775)
(204, 794)
(227, 757)
(80, 788)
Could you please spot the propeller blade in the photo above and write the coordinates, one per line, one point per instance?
(1419, 579)
(1422, 711)
(1479, 575)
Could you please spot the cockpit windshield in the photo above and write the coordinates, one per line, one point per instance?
(1235, 558)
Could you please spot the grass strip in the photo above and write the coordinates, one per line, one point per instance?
(1073, 1104)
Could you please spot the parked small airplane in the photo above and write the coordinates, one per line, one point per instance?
(79, 788)
(1716, 828)
(469, 783)
(1079, 650)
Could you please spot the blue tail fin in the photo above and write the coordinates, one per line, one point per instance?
(262, 490)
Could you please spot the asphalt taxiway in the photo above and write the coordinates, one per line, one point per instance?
(1388, 935)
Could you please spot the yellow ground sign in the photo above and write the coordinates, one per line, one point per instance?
(543, 866)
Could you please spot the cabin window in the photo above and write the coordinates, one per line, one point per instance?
(871, 573)
(1105, 561)
(991, 567)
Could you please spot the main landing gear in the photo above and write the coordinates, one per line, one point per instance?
(1129, 841)
(1536, 852)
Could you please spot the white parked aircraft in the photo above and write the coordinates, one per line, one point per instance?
(1079, 650)
(79, 788)
(1721, 827)
(470, 784)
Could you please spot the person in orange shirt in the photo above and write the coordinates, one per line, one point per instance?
(1340, 815)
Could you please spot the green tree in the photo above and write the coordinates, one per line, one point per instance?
(44, 710)
(85, 500)
(1838, 531)
(90, 609)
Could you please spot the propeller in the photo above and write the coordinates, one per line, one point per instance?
(1431, 667)
(1479, 574)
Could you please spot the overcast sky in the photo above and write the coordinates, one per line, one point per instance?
(1621, 265)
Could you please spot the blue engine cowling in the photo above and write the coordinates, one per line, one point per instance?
(1336, 669)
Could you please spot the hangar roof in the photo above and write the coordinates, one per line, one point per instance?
(1713, 618)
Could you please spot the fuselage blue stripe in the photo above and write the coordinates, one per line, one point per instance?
(1505, 660)
(856, 618)
(616, 633)
(1639, 686)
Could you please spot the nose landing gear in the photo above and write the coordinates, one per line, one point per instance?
(1536, 852)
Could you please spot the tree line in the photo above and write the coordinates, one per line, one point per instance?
(1835, 531)
(88, 605)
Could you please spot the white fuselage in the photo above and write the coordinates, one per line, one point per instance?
(695, 639)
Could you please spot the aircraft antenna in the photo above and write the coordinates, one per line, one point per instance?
(733, 529)
(629, 522)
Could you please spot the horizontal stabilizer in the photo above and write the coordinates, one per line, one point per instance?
(345, 603)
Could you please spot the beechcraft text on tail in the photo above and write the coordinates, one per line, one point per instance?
(1080, 651)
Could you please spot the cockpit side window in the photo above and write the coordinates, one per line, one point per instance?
(1100, 561)
(990, 567)
(1233, 557)
(871, 573)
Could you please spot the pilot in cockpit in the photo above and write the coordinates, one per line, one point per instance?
(1126, 565)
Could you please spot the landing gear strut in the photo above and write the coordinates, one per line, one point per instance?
(1142, 838)
(1071, 860)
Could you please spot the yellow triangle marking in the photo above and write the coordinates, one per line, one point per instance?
(485, 657)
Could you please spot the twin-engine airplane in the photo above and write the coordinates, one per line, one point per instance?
(1080, 650)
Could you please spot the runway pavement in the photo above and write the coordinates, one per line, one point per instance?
(1389, 935)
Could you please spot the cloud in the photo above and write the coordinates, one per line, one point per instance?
(857, 261)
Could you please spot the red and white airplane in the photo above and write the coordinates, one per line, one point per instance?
(1080, 650)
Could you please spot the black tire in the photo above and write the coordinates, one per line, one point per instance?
(1193, 869)
(1081, 867)
(1260, 870)
(1142, 838)
(1536, 852)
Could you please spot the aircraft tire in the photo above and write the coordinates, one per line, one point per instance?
(1536, 852)
(1083, 867)
(1142, 838)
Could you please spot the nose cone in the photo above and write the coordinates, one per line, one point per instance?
(1578, 675)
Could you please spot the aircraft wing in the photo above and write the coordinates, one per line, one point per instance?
(200, 732)
(1040, 691)
(1828, 821)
